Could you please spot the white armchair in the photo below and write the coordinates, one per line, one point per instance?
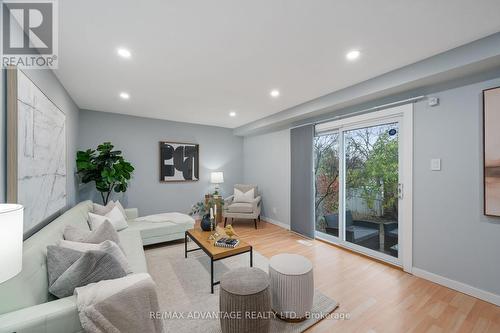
(243, 210)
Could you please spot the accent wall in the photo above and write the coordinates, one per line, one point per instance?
(138, 138)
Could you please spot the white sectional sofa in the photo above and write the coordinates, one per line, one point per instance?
(25, 303)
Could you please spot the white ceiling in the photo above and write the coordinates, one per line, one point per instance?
(194, 61)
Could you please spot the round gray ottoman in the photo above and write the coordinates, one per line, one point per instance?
(245, 301)
(292, 286)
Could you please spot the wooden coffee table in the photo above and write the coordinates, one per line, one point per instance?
(215, 253)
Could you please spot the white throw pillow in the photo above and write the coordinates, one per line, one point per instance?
(248, 196)
(120, 207)
(103, 210)
(115, 216)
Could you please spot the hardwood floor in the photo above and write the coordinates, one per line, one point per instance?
(377, 297)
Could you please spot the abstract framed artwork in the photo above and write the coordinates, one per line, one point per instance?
(179, 162)
(36, 152)
(491, 143)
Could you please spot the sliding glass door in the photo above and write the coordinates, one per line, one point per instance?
(326, 177)
(359, 174)
(371, 187)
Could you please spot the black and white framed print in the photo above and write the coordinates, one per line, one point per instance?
(179, 162)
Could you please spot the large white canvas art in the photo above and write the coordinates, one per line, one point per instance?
(41, 154)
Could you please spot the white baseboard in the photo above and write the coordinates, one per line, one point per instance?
(458, 286)
(278, 223)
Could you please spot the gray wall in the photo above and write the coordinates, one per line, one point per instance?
(267, 164)
(451, 236)
(138, 138)
(3, 137)
(50, 85)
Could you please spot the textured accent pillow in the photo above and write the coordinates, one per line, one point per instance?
(106, 246)
(104, 232)
(115, 216)
(102, 210)
(92, 266)
(120, 207)
(59, 259)
(240, 196)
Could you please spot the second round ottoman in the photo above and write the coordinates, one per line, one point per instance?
(292, 286)
(245, 301)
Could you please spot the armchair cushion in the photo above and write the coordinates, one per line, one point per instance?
(240, 207)
(240, 196)
(245, 188)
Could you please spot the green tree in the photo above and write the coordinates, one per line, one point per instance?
(326, 171)
(106, 167)
(376, 175)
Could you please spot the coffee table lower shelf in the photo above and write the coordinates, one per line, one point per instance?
(220, 256)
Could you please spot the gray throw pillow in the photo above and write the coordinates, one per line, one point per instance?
(59, 259)
(106, 246)
(104, 232)
(92, 266)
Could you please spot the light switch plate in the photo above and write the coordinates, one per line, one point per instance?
(436, 164)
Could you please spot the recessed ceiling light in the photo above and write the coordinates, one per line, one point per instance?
(232, 114)
(124, 95)
(124, 53)
(274, 93)
(352, 55)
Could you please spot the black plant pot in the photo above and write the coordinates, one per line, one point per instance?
(205, 223)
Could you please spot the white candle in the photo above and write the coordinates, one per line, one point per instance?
(211, 213)
(215, 210)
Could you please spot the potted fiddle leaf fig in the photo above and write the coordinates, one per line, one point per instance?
(106, 167)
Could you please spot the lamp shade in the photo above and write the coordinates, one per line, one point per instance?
(217, 177)
(11, 240)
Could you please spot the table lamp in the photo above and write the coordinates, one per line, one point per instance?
(217, 178)
(11, 240)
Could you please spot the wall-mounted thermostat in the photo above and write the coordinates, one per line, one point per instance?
(433, 101)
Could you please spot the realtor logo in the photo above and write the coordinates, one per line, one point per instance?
(29, 33)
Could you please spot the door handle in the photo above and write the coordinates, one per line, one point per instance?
(400, 191)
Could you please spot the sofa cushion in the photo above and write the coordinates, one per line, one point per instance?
(120, 207)
(102, 210)
(59, 259)
(30, 286)
(106, 246)
(115, 216)
(104, 232)
(240, 207)
(132, 245)
(153, 229)
(92, 266)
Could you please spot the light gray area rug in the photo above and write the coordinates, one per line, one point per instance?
(184, 290)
